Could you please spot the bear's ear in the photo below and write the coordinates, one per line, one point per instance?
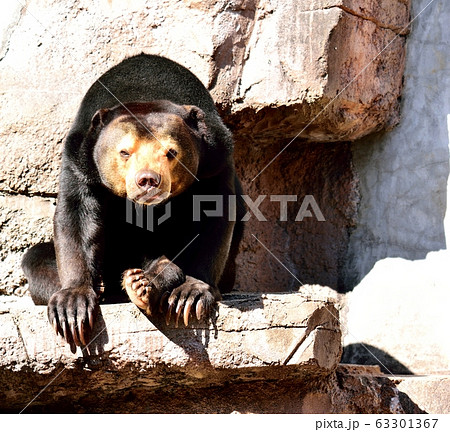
(100, 118)
(194, 118)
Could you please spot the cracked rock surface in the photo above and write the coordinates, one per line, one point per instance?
(254, 337)
(263, 353)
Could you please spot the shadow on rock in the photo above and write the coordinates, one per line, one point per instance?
(365, 354)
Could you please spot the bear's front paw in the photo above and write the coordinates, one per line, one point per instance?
(143, 292)
(72, 314)
(193, 295)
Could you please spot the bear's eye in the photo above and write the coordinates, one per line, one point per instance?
(124, 154)
(171, 154)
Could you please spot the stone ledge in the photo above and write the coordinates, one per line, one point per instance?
(263, 353)
(253, 338)
(430, 392)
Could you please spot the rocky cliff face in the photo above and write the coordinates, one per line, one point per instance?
(305, 76)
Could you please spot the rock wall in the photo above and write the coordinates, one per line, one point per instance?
(399, 250)
(314, 72)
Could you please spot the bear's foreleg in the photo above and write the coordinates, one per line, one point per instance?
(204, 268)
(79, 247)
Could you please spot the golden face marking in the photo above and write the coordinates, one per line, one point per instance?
(169, 157)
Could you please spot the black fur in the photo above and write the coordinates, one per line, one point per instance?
(93, 242)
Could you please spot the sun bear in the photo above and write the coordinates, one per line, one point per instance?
(147, 141)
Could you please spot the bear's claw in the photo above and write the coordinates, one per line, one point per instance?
(72, 312)
(183, 298)
(193, 297)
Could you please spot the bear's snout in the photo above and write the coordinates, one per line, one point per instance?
(147, 179)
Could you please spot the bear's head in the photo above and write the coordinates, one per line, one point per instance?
(148, 152)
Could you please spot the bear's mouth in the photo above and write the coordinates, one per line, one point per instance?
(151, 197)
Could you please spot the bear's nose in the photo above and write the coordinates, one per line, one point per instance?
(147, 179)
